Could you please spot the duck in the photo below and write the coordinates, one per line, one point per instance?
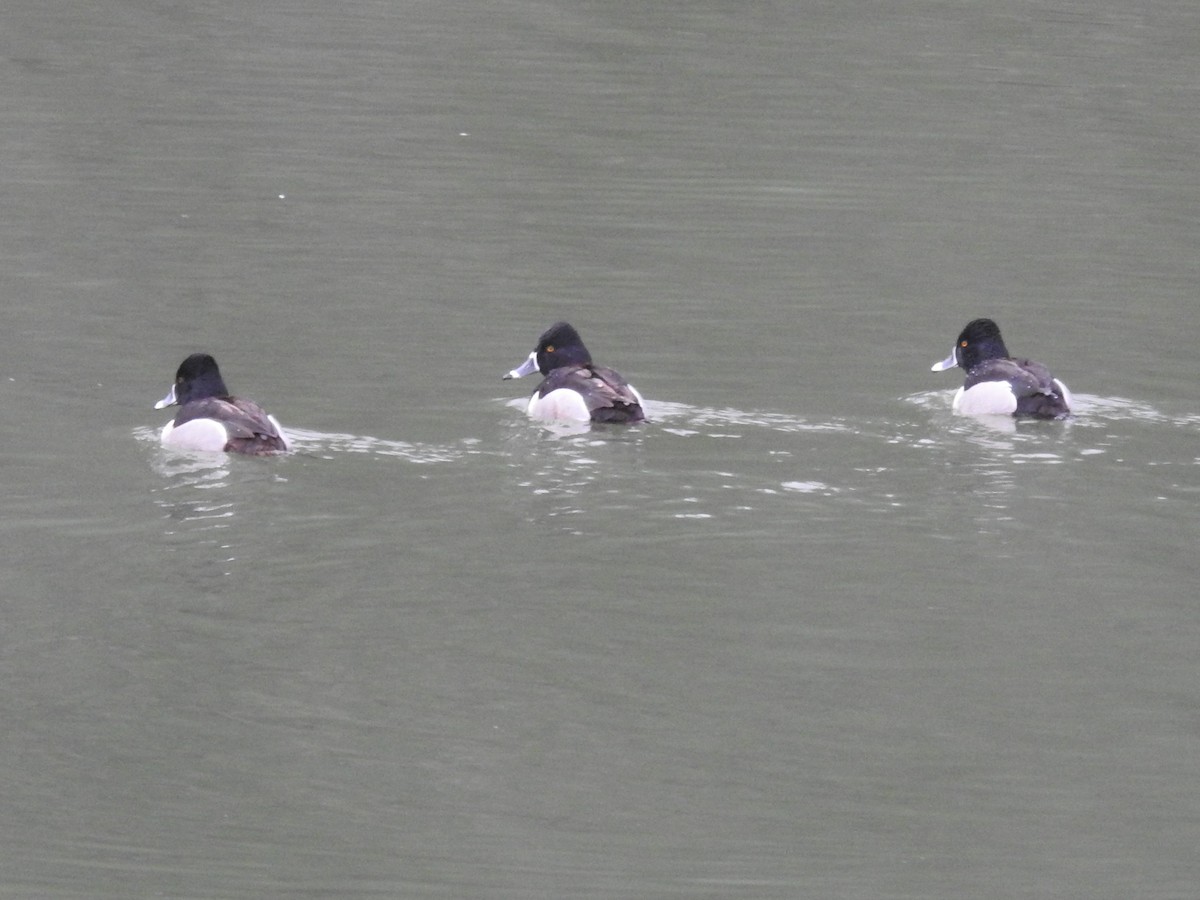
(998, 384)
(573, 388)
(210, 419)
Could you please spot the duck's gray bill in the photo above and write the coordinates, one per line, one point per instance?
(526, 368)
(948, 363)
(168, 400)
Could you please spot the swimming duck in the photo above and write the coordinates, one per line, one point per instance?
(997, 384)
(573, 388)
(210, 419)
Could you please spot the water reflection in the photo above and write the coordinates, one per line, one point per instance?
(183, 471)
(661, 473)
(565, 470)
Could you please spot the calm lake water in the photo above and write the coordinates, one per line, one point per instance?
(803, 634)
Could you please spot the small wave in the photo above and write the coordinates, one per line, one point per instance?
(698, 418)
(312, 443)
(326, 444)
(1123, 409)
(1090, 410)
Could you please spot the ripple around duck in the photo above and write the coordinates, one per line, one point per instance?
(312, 443)
(696, 464)
(685, 420)
(327, 444)
(1091, 411)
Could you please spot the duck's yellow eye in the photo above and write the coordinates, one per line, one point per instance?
(550, 349)
(963, 344)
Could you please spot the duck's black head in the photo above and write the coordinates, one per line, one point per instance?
(561, 346)
(198, 377)
(979, 341)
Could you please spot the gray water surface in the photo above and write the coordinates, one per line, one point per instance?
(803, 634)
